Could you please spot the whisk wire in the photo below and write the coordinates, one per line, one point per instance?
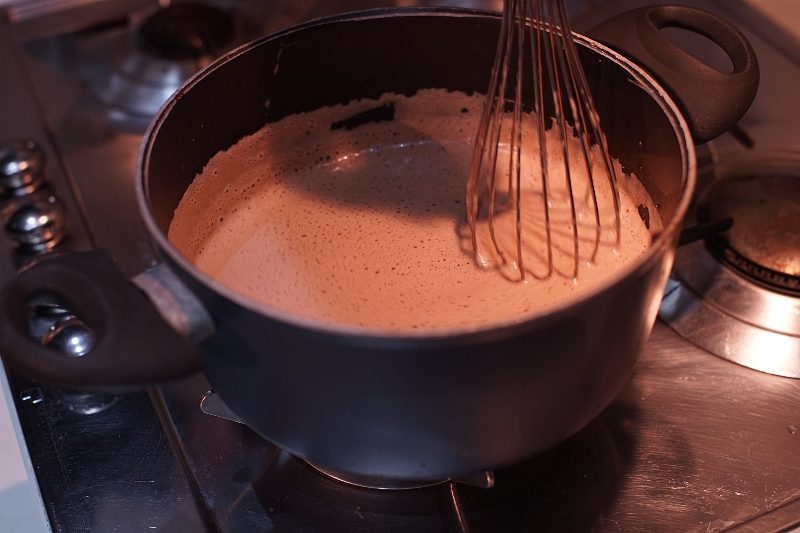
(554, 58)
(552, 47)
(494, 146)
(589, 122)
(473, 185)
(516, 136)
(533, 14)
(575, 95)
(594, 121)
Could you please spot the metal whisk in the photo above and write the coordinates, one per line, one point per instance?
(557, 75)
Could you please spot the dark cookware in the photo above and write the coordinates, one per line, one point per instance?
(425, 405)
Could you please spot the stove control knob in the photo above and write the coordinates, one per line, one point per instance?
(21, 168)
(71, 336)
(43, 316)
(35, 222)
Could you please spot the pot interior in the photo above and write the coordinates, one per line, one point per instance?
(340, 60)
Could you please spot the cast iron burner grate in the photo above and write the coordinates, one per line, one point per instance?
(771, 278)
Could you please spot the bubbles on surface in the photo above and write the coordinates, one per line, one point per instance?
(366, 226)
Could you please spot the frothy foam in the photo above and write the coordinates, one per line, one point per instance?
(367, 226)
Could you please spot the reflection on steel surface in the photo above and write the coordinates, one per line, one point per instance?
(71, 336)
(212, 404)
(716, 331)
(104, 462)
(484, 480)
(693, 442)
(35, 222)
(176, 303)
(724, 310)
(21, 168)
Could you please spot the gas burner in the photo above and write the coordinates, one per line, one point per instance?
(212, 404)
(535, 491)
(133, 69)
(186, 31)
(738, 294)
(764, 244)
(483, 480)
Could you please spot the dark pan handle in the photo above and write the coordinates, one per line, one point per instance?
(711, 101)
(134, 345)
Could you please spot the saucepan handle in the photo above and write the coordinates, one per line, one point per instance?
(711, 101)
(133, 344)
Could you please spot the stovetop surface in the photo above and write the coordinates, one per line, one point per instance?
(693, 443)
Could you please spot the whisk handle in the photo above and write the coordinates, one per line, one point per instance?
(711, 101)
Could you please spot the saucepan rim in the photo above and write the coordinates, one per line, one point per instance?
(498, 328)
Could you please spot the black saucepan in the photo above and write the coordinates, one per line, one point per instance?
(427, 405)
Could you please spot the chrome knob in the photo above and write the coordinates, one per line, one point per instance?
(71, 336)
(43, 316)
(21, 168)
(35, 222)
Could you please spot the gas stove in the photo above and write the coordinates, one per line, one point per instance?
(693, 443)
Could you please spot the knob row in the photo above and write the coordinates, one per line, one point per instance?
(31, 214)
(36, 221)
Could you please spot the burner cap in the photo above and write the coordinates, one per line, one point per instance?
(764, 242)
(184, 31)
